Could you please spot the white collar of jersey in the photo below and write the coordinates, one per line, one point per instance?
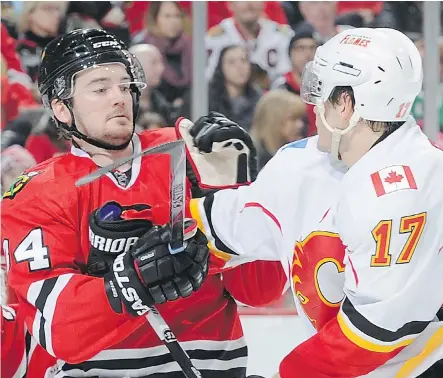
(394, 141)
(135, 164)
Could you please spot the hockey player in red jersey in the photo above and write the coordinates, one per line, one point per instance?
(60, 246)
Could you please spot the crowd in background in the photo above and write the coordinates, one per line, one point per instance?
(256, 54)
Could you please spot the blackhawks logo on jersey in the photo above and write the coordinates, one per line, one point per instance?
(19, 184)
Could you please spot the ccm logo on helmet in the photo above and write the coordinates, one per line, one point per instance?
(104, 43)
(111, 245)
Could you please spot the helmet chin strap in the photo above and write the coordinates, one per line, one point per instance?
(94, 142)
(336, 136)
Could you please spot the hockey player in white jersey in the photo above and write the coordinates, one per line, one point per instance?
(389, 211)
(389, 214)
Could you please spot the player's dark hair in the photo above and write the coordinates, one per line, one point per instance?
(376, 126)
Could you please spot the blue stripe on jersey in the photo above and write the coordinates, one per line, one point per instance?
(297, 144)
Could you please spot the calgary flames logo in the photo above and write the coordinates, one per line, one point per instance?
(318, 276)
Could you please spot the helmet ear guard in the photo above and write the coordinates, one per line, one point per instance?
(66, 56)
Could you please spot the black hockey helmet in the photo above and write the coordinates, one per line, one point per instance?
(67, 55)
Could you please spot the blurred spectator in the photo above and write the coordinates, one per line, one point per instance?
(367, 10)
(44, 146)
(217, 11)
(45, 140)
(406, 16)
(301, 50)
(16, 132)
(231, 91)
(152, 100)
(279, 118)
(150, 121)
(14, 161)
(321, 15)
(15, 84)
(14, 98)
(98, 14)
(292, 12)
(9, 51)
(136, 12)
(266, 40)
(164, 30)
(38, 25)
(9, 18)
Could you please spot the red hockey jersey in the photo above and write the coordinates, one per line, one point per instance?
(13, 350)
(21, 356)
(45, 232)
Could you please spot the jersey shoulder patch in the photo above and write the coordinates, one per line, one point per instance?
(393, 178)
(18, 185)
(297, 144)
(45, 180)
(216, 31)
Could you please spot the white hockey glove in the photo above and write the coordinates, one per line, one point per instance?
(220, 153)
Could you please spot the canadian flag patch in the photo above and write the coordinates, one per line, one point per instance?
(391, 179)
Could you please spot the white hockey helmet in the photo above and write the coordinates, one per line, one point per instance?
(383, 67)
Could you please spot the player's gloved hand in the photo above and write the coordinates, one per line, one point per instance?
(220, 153)
(110, 235)
(149, 274)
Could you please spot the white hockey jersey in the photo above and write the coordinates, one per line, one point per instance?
(388, 211)
(300, 178)
(390, 218)
(269, 50)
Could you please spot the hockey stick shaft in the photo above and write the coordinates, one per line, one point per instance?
(170, 341)
(177, 204)
(164, 148)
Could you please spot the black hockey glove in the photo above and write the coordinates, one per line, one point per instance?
(110, 235)
(220, 153)
(149, 274)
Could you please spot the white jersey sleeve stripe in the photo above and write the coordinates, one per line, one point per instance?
(48, 310)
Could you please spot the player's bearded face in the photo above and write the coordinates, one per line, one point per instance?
(102, 103)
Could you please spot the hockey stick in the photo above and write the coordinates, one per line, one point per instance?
(160, 149)
(176, 150)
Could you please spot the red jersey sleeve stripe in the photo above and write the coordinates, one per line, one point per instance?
(266, 211)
